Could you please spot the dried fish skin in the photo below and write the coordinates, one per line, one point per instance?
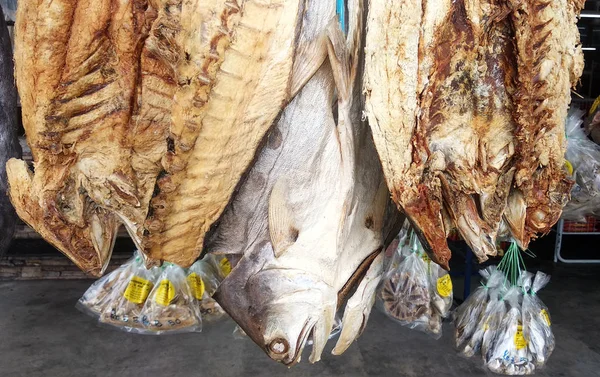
(76, 74)
(222, 139)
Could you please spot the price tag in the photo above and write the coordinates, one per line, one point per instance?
(165, 293)
(444, 286)
(137, 290)
(197, 285)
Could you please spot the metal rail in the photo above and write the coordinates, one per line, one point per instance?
(558, 245)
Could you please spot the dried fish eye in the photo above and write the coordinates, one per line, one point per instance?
(279, 346)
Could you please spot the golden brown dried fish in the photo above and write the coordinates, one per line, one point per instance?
(228, 94)
(76, 69)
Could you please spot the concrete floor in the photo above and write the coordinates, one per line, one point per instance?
(42, 334)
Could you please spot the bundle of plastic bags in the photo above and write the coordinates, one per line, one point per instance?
(414, 291)
(159, 300)
(506, 323)
(583, 156)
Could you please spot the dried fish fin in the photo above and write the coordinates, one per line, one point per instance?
(514, 215)
(309, 58)
(320, 333)
(358, 307)
(339, 60)
(89, 246)
(282, 229)
(464, 213)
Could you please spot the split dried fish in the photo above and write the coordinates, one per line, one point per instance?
(228, 93)
(454, 107)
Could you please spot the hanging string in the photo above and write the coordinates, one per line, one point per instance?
(512, 264)
(341, 12)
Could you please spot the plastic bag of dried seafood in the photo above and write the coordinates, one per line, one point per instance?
(536, 321)
(468, 315)
(204, 279)
(440, 285)
(405, 294)
(583, 156)
(170, 306)
(508, 351)
(126, 304)
(102, 292)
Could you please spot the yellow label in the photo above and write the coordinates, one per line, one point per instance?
(137, 290)
(165, 293)
(520, 341)
(569, 167)
(225, 266)
(444, 286)
(196, 285)
(545, 316)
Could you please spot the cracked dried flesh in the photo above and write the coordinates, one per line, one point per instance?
(454, 93)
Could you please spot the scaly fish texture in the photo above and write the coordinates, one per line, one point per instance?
(229, 92)
(309, 216)
(449, 100)
(9, 128)
(76, 71)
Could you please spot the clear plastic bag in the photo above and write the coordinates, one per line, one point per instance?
(102, 292)
(170, 306)
(204, 279)
(495, 309)
(126, 304)
(508, 351)
(536, 322)
(405, 292)
(440, 285)
(468, 315)
(583, 156)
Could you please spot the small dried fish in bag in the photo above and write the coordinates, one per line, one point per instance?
(102, 292)
(124, 310)
(508, 352)
(469, 313)
(405, 292)
(536, 321)
(171, 307)
(494, 311)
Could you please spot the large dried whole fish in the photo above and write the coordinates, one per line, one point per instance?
(9, 142)
(447, 101)
(76, 70)
(309, 217)
(228, 93)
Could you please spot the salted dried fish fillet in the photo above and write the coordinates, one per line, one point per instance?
(393, 37)
(9, 142)
(550, 62)
(76, 73)
(210, 155)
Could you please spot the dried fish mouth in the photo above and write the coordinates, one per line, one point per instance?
(278, 349)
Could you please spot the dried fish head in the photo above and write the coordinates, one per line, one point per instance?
(278, 307)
